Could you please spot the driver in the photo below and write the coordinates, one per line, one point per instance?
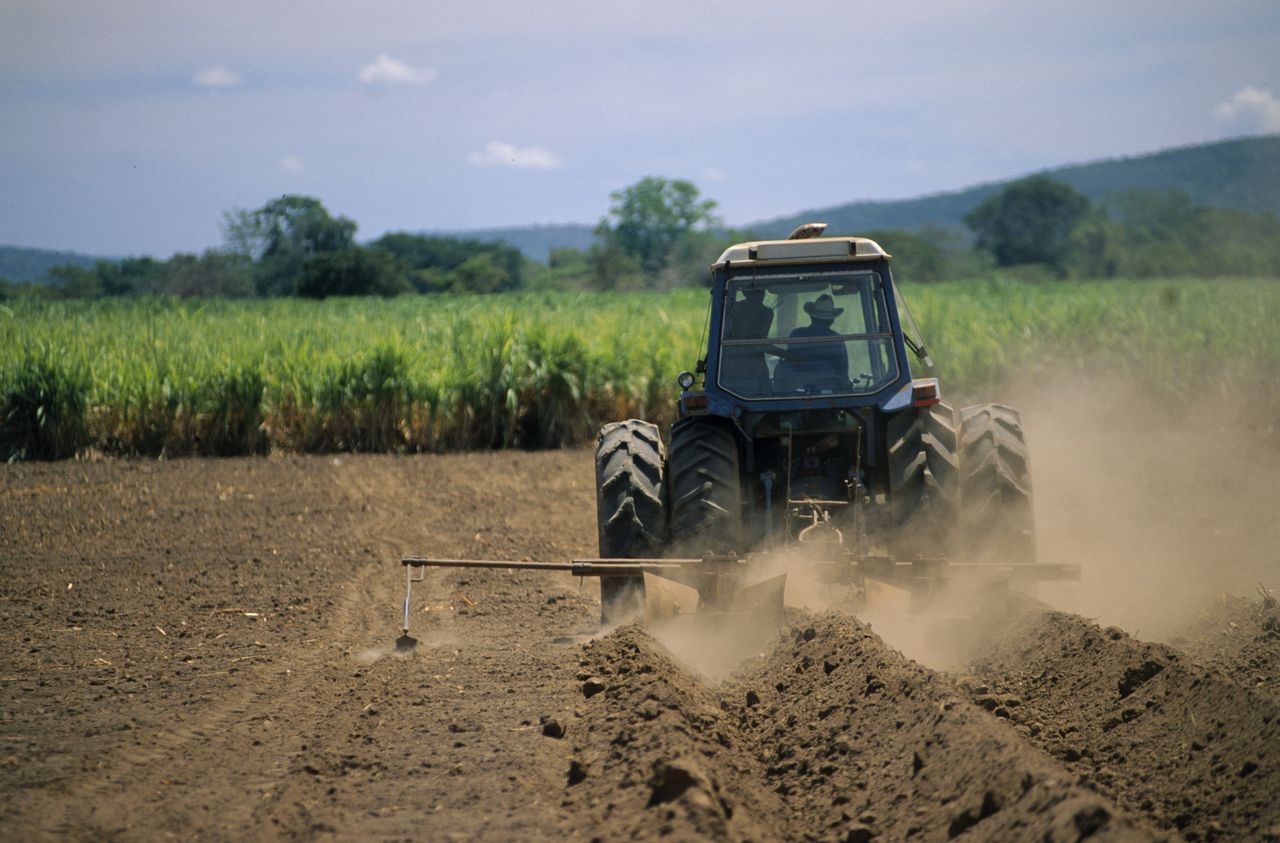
(820, 365)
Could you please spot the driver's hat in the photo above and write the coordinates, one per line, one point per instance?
(823, 308)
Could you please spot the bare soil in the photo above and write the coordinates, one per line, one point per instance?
(203, 649)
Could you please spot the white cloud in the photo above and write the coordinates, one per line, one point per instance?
(293, 165)
(388, 71)
(1250, 110)
(500, 154)
(218, 76)
(715, 174)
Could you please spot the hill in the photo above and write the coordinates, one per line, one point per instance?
(21, 264)
(1242, 173)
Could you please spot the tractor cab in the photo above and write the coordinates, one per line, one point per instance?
(803, 325)
(807, 381)
(805, 334)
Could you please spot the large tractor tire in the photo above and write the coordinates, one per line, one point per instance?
(924, 479)
(631, 504)
(996, 519)
(706, 488)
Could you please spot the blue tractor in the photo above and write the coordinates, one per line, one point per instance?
(803, 423)
(803, 441)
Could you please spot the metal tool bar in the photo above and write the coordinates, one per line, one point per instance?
(870, 565)
(582, 567)
(424, 562)
(718, 579)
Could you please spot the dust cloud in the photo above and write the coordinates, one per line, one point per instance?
(429, 640)
(958, 623)
(1163, 504)
(714, 647)
(1165, 507)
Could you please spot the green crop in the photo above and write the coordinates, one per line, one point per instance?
(432, 373)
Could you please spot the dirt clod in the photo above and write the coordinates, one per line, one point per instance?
(1089, 821)
(859, 833)
(672, 779)
(1135, 677)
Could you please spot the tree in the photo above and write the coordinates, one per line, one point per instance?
(1030, 221)
(75, 282)
(440, 264)
(131, 276)
(568, 268)
(648, 218)
(353, 271)
(1095, 246)
(915, 257)
(611, 266)
(480, 273)
(1164, 233)
(212, 274)
(282, 235)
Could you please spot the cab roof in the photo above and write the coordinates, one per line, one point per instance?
(811, 250)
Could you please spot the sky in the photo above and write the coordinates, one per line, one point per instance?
(131, 127)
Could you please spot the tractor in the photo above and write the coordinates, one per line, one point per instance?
(803, 441)
(803, 422)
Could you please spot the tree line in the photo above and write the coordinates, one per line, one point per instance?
(293, 246)
(662, 233)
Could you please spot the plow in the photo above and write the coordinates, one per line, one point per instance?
(729, 587)
(804, 447)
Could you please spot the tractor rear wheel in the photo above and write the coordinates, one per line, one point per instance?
(631, 504)
(924, 477)
(996, 519)
(706, 487)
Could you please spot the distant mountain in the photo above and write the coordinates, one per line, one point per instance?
(534, 241)
(1243, 173)
(20, 264)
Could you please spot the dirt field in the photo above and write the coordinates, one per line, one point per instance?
(202, 649)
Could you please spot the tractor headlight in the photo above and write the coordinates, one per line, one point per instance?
(685, 379)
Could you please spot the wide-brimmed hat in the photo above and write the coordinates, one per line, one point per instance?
(823, 308)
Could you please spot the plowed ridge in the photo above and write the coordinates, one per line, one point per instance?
(1183, 744)
(832, 735)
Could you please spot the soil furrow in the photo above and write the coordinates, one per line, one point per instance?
(1176, 742)
(863, 741)
(832, 735)
(1240, 637)
(656, 756)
